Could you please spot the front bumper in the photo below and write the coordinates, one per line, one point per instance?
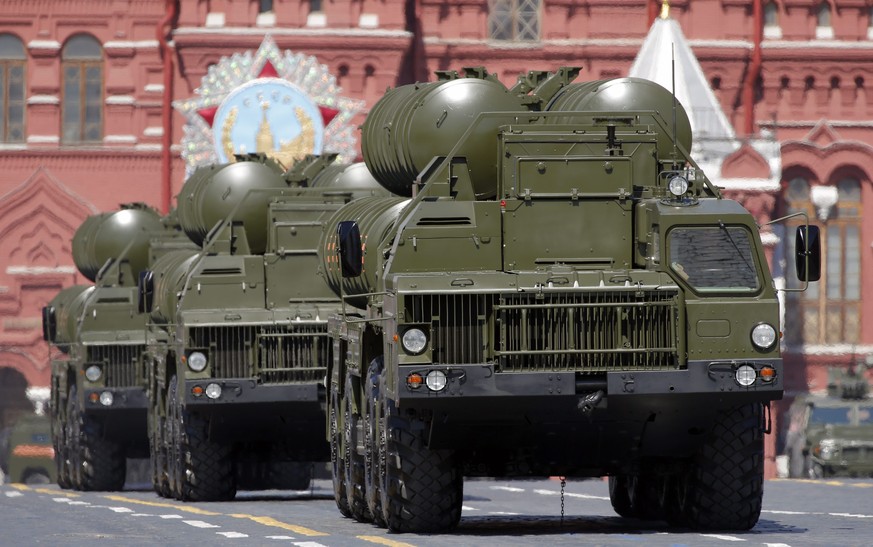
(712, 381)
(244, 391)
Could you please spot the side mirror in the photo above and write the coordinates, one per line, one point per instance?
(145, 291)
(351, 257)
(49, 324)
(807, 253)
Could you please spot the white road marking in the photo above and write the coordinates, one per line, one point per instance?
(308, 544)
(507, 488)
(200, 524)
(13, 494)
(719, 536)
(280, 537)
(502, 513)
(171, 516)
(851, 515)
(232, 535)
(570, 495)
(776, 545)
(466, 508)
(143, 515)
(121, 509)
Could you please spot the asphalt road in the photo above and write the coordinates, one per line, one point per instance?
(796, 513)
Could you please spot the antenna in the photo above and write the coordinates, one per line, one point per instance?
(673, 92)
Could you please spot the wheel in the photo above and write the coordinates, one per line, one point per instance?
(59, 443)
(337, 459)
(158, 454)
(354, 461)
(619, 496)
(639, 496)
(374, 461)
(174, 462)
(291, 475)
(422, 489)
(723, 485)
(203, 468)
(96, 463)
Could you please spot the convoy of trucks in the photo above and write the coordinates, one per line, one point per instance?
(535, 280)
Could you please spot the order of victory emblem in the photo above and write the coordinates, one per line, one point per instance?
(281, 104)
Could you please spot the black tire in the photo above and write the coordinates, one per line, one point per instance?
(59, 443)
(619, 496)
(354, 473)
(96, 463)
(290, 475)
(337, 459)
(158, 454)
(422, 489)
(204, 469)
(174, 462)
(724, 485)
(374, 460)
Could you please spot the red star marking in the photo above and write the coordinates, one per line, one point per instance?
(328, 114)
(208, 114)
(269, 71)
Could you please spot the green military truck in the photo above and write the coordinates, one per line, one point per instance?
(98, 399)
(237, 334)
(562, 293)
(832, 434)
(30, 455)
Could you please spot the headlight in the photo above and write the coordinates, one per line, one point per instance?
(197, 361)
(746, 375)
(106, 398)
(827, 449)
(678, 186)
(435, 380)
(213, 391)
(414, 341)
(764, 336)
(93, 373)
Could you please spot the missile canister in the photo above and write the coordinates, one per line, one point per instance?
(211, 193)
(61, 315)
(375, 217)
(625, 94)
(414, 123)
(120, 234)
(169, 273)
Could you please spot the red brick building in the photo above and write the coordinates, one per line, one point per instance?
(87, 123)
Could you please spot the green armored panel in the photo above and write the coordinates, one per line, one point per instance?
(355, 179)
(412, 124)
(375, 217)
(212, 193)
(61, 315)
(626, 95)
(169, 274)
(120, 234)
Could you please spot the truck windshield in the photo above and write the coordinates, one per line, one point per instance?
(714, 258)
(821, 415)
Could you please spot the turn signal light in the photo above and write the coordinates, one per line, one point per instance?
(414, 381)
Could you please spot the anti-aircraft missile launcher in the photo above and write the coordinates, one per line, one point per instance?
(238, 330)
(98, 397)
(565, 294)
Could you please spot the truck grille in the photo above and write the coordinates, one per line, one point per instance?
(272, 354)
(584, 331)
(120, 364)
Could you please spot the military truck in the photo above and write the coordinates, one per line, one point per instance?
(98, 399)
(30, 457)
(832, 434)
(562, 293)
(238, 340)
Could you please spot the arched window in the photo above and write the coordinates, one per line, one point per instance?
(12, 60)
(823, 28)
(771, 21)
(514, 20)
(82, 72)
(828, 312)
